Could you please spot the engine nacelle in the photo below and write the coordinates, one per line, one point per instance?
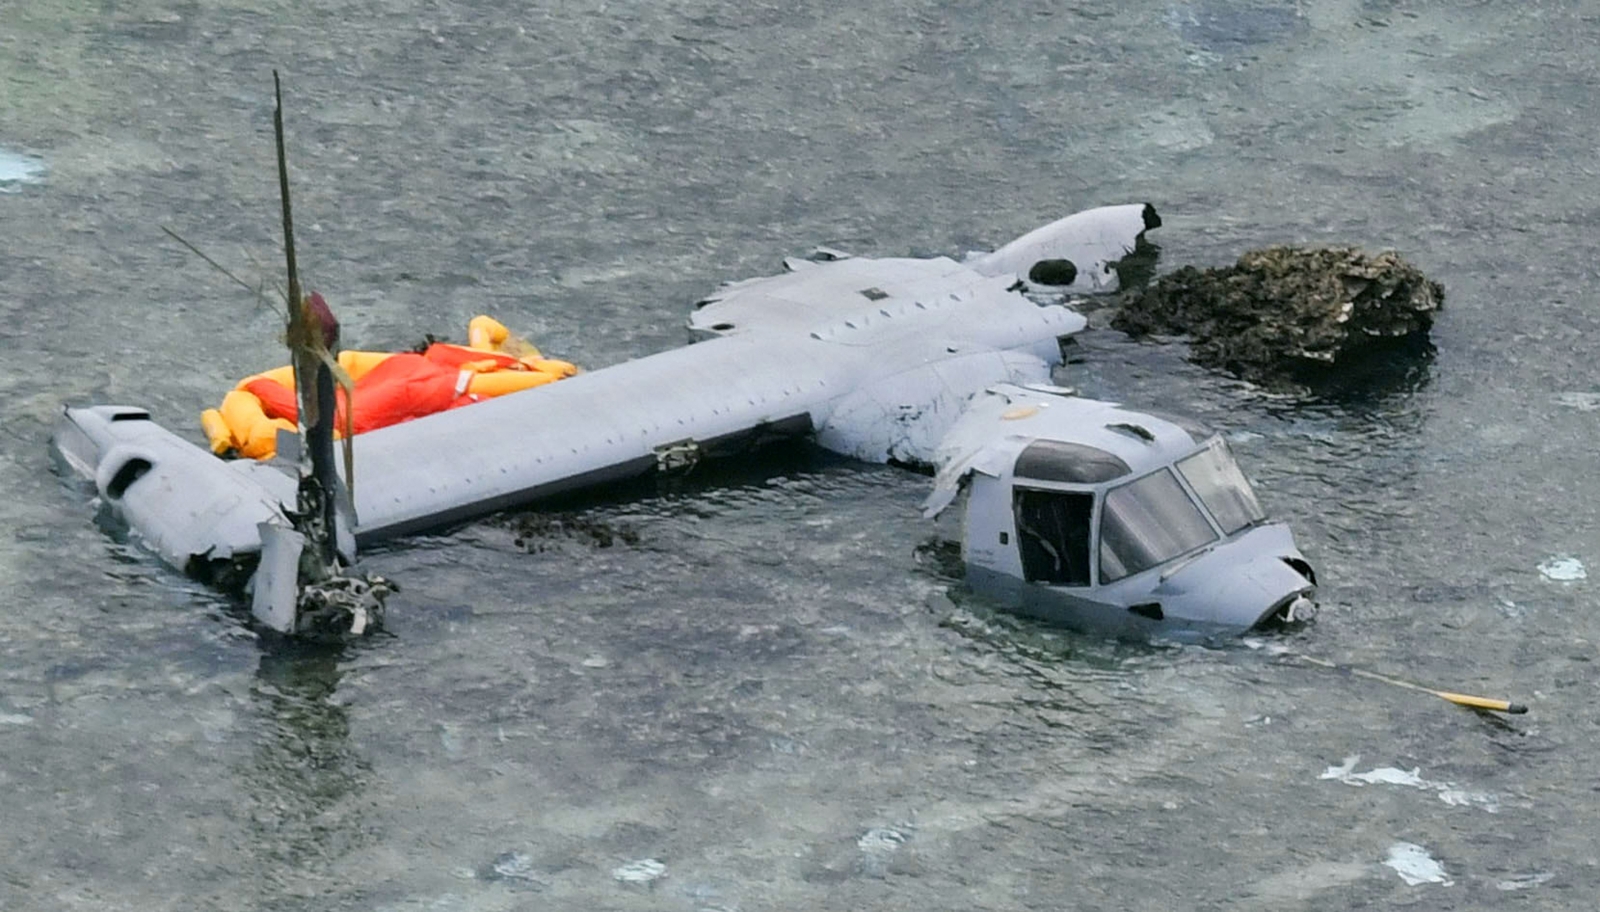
(184, 503)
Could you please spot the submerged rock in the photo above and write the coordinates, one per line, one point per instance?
(1282, 310)
(538, 532)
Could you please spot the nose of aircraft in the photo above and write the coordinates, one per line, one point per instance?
(1254, 580)
(1260, 591)
(1268, 588)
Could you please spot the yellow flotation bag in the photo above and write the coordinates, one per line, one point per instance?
(390, 387)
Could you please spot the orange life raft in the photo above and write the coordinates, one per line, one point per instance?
(390, 387)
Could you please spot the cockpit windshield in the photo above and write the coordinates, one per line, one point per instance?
(1148, 522)
(1222, 487)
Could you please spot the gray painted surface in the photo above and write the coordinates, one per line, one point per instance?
(1233, 582)
(912, 361)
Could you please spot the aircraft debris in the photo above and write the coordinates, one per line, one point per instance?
(1447, 792)
(1563, 569)
(1077, 511)
(643, 872)
(1415, 866)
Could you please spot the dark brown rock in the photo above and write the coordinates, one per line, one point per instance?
(1281, 310)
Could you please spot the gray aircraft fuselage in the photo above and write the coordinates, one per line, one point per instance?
(929, 362)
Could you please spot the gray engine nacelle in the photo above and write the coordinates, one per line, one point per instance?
(185, 504)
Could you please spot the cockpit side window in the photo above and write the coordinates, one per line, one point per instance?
(1053, 535)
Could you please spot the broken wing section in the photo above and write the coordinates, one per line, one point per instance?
(1076, 254)
(905, 417)
(978, 443)
(811, 294)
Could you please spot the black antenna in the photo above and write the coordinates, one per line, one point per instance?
(288, 219)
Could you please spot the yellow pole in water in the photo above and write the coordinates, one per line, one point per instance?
(1459, 699)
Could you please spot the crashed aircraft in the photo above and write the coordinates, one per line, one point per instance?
(1076, 511)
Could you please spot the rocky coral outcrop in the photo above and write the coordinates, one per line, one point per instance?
(1282, 310)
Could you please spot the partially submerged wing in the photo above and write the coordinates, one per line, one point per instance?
(878, 357)
(904, 418)
(1092, 241)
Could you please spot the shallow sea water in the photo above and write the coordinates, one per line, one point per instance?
(766, 695)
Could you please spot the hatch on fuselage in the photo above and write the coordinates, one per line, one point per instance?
(1055, 527)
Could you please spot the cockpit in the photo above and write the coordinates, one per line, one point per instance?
(1100, 517)
(1082, 520)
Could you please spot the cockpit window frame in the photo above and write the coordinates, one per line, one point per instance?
(1067, 462)
(1220, 443)
(1100, 490)
(1093, 492)
(1171, 470)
